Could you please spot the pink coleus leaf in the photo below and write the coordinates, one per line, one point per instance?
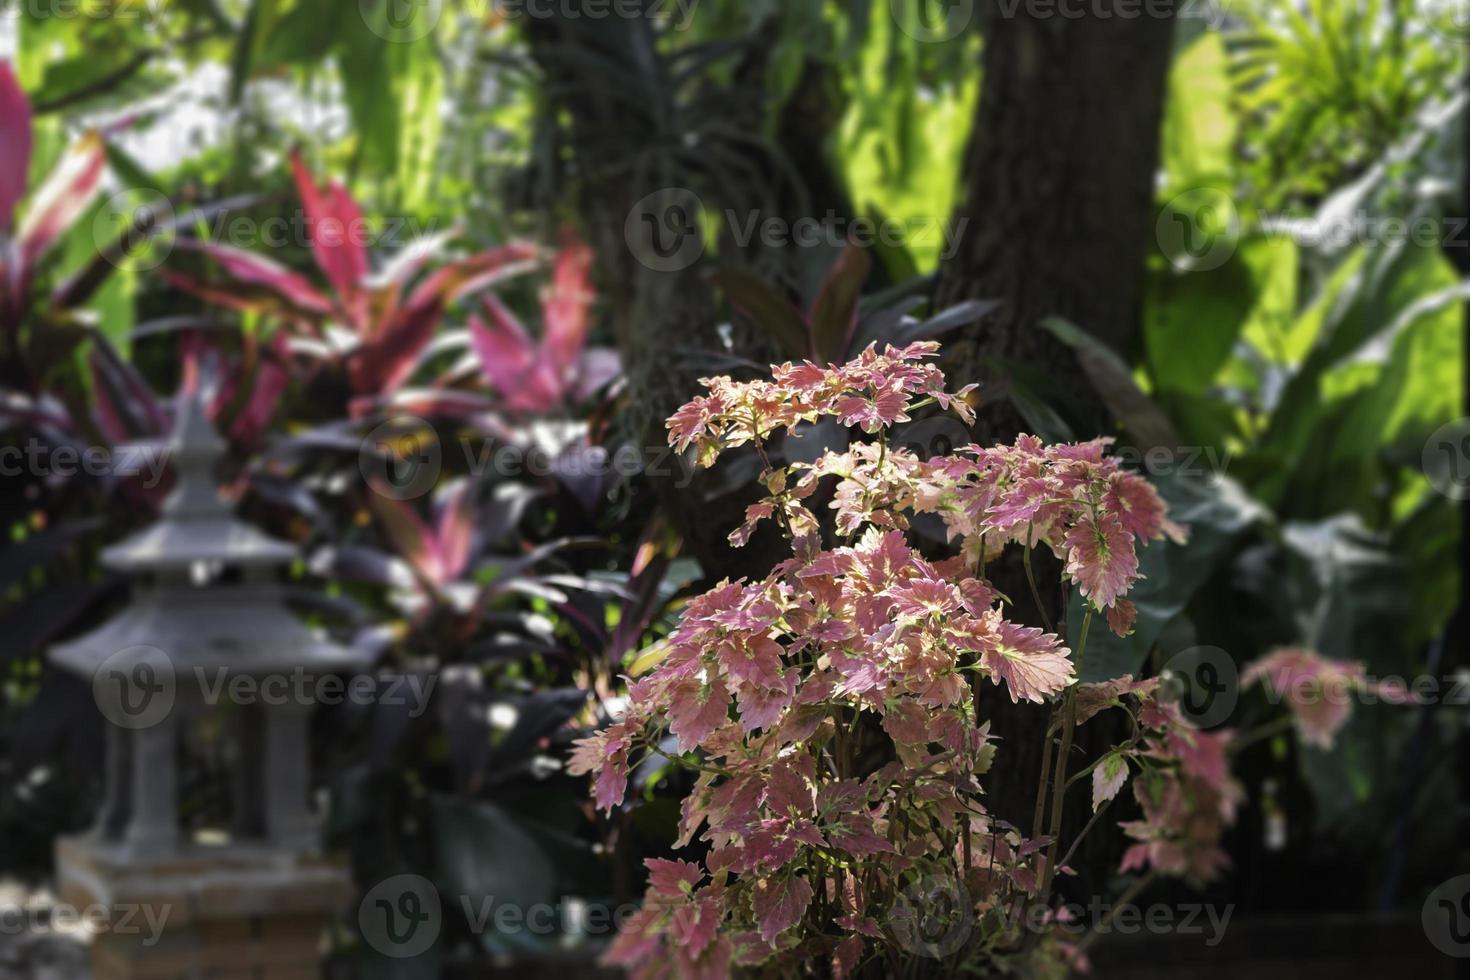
(780, 903)
(1136, 504)
(672, 879)
(1101, 558)
(606, 754)
(1121, 616)
(1033, 664)
(847, 956)
(15, 143)
(755, 660)
(335, 228)
(1108, 778)
(696, 709)
(1318, 691)
(693, 927)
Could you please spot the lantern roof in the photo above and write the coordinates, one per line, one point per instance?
(245, 627)
(197, 525)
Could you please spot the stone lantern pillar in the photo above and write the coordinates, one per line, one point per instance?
(207, 645)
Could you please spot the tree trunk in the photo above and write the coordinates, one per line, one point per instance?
(1057, 203)
(1058, 191)
(649, 150)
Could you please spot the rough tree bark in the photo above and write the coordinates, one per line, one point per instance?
(1057, 191)
(634, 128)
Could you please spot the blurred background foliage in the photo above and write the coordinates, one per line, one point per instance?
(1305, 366)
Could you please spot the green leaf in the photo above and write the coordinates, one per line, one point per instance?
(1199, 121)
(1191, 322)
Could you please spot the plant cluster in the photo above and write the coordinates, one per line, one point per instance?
(834, 710)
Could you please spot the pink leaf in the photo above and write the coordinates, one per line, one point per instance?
(1121, 616)
(254, 270)
(847, 956)
(15, 143)
(335, 227)
(670, 878)
(513, 365)
(389, 358)
(62, 198)
(596, 369)
(695, 710)
(1101, 559)
(453, 282)
(1032, 663)
(455, 529)
(410, 537)
(566, 307)
(780, 904)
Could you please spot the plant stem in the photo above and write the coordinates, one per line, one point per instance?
(1040, 813)
(1031, 581)
(1269, 730)
(1092, 822)
(1059, 779)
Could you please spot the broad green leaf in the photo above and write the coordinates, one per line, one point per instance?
(1192, 320)
(1199, 122)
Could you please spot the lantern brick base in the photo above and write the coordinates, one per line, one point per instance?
(220, 913)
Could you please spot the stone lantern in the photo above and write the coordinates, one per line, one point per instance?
(206, 650)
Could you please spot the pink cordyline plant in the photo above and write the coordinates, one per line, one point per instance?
(378, 323)
(831, 709)
(541, 377)
(50, 211)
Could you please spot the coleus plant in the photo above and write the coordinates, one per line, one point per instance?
(833, 710)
